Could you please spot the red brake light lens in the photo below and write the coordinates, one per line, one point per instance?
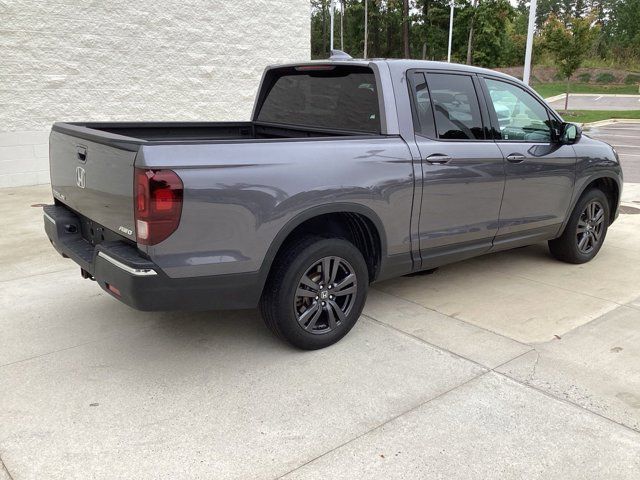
(314, 68)
(158, 204)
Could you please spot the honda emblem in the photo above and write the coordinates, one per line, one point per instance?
(80, 177)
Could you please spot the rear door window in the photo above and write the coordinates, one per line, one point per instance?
(336, 98)
(455, 106)
(423, 113)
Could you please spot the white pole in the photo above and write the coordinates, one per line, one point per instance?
(366, 27)
(331, 15)
(529, 49)
(450, 34)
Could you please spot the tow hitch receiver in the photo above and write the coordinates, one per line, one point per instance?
(84, 274)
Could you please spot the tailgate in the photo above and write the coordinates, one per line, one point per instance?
(94, 179)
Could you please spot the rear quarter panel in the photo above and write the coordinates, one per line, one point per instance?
(239, 196)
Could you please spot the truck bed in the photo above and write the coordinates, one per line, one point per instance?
(92, 164)
(135, 133)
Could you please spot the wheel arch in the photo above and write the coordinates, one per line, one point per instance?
(610, 186)
(366, 222)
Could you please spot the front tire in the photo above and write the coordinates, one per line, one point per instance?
(315, 292)
(585, 231)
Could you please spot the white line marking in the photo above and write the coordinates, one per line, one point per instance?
(622, 154)
(601, 97)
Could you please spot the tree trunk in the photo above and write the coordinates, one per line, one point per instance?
(470, 44)
(375, 26)
(324, 27)
(389, 38)
(566, 97)
(405, 28)
(425, 16)
(366, 26)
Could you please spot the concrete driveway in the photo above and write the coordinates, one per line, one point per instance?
(511, 365)
(587, 101)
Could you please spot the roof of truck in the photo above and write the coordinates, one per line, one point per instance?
(404, 64)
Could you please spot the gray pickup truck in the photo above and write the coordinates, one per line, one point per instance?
(350, 172)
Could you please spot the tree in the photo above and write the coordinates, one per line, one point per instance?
(490, 33)
(568, 44)
(405, 28)
(431, 21)
(470, 42)
(491, 40)
(623, 30)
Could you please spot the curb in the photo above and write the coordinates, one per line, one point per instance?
(556, 97)
(609, 121)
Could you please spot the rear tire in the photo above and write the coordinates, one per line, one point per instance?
(585, 231)
(315, 292)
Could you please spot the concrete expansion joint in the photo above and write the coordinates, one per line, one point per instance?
(377, 427)
(480, 327)
(566, 401)
(526, 383)
(3, 469)
(535, 366)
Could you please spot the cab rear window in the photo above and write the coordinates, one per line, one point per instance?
(331, 97)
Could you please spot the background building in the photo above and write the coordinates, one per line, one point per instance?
(122, 60)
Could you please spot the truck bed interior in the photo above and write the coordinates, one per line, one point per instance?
(304, 101)
(202, 131)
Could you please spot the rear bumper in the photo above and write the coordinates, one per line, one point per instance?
(140, 282)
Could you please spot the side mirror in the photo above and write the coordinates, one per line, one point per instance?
(570, 133)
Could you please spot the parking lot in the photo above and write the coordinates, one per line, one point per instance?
(625, 137)
(588, 101)
(511, 365)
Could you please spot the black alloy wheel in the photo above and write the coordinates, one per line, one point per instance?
(590, 227)
(325, 295)
(586, 229)
(315, 291)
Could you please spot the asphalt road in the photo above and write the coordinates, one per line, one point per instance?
(598, 102)
(625, 137)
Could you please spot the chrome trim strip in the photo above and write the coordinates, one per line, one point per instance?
(49, 217)
(140, 272)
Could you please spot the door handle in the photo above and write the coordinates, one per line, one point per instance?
(516, 158)
(438, 159)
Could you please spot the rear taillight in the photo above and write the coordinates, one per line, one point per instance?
(158, 204)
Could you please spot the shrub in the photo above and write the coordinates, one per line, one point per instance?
(631, 79)
(584, 77)
(605, 78)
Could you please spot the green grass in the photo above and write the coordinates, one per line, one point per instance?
(556, 88)
(588, 116)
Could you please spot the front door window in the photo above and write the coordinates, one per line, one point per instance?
(520, 116)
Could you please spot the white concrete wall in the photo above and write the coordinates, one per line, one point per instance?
(111, 60)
